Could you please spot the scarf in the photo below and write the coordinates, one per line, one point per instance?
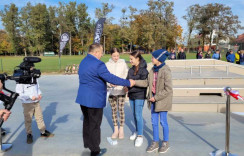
(156, 68)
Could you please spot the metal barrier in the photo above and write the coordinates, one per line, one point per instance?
(234, 94)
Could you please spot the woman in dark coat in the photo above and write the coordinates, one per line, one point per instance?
(137, 95)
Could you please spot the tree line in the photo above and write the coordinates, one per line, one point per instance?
(34, 29)
(208, 19)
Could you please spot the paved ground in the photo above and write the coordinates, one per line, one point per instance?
(193, 134)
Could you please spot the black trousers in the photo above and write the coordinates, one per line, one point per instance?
(91, 127)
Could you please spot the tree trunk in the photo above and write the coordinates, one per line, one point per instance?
(103, 44)
(203, 42)
(217, 42)
(82, 40)
(130, 46)
(25, 52)
(210, 44)
(122, 46)
(70, 44)
(188, 42)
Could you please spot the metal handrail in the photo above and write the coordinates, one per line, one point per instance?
(200, 67)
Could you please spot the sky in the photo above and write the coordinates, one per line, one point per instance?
(180, 7)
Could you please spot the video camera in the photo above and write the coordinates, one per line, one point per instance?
(24, 74)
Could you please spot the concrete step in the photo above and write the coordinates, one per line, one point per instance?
(208, 81)
(205, 104)
(197, 90)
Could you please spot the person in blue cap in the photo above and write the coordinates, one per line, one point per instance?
(159, 98)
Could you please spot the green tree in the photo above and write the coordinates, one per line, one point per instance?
(85, 28)
(124, 30)
(210, 18)
(132, 36)
(103, 13)
(227, 24)
(70, 16)
(10, 19)
(25, 27)
(54, 33)
(191, 18)
(39, 28)
(156, 26)
(5, 44)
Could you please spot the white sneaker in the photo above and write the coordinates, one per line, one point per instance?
(133, 136)
(139, 141)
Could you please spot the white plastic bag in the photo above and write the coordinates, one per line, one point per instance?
(111, 141)
(108, 93)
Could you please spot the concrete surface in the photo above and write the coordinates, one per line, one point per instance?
(191, 133)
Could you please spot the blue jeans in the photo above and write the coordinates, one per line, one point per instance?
(137, 107)
(163, 122)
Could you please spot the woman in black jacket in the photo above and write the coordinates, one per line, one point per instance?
(137, 95)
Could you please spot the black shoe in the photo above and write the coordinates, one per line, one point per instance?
(94, 153)
(102, 151)
(47, 134)
(3, 131)
(29, 138)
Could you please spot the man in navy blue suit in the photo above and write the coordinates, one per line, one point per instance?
(93, 75)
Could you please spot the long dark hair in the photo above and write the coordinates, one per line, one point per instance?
(113, 50)
(136, 54)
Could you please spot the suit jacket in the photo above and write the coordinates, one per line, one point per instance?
(93, 75)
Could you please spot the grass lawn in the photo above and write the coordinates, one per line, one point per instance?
(51, 64)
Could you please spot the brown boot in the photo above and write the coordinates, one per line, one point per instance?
(121, 132)
(116, 132)
(164, 148)
(154, 146)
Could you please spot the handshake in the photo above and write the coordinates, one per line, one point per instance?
(132, 82)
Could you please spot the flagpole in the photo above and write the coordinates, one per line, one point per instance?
(59, 63)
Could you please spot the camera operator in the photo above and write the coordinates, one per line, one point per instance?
(30, 96)
(4, 112)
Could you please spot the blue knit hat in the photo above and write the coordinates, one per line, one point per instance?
(160, 54)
